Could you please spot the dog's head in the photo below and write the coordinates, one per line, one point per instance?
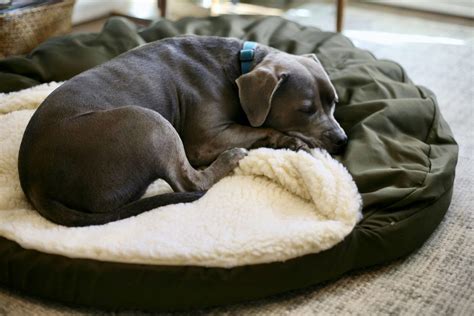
(293, 94)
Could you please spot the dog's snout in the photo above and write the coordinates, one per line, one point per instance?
(336, 141)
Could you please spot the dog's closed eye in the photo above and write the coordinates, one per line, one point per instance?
(307, 109)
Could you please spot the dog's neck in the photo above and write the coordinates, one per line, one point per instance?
(260, 52)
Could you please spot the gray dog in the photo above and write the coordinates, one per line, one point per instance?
(161, 110)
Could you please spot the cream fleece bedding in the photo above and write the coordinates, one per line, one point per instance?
(277, 205)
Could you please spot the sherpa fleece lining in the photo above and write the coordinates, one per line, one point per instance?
(277, 205)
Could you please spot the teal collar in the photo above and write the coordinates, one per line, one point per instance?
(247, 54)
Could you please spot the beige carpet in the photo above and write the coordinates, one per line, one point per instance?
(439, 278)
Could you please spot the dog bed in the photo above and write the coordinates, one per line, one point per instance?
(401, 156)
(278, 204)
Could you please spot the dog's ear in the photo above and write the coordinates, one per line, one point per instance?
(256, 90)
(312, 56)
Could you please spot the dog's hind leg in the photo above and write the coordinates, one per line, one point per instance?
(152, 138)
(101, 160)
(182, 176)
(156, 142)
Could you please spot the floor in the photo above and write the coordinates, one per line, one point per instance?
(438, 279)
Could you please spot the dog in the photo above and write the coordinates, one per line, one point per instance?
(165, 110)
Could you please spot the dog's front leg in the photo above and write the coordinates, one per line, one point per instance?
(204, 152)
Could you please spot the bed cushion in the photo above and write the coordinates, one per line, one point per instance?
(401, 155)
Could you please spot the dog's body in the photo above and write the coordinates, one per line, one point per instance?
(97, 142)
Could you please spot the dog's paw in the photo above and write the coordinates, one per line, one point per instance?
(233, 156)
(305, 148)
(227, 161)
(293, 143)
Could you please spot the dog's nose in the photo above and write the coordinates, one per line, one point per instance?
(341, 141)
(336, 138)
(336, 142)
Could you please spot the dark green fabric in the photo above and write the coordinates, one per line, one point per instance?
(61, 58)
(401, 154)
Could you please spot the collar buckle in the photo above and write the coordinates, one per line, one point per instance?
(247, 54)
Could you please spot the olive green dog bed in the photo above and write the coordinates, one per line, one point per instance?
(401, 155)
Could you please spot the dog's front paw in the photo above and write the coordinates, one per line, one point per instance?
(293, 143)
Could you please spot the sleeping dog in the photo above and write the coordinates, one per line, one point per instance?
(161, 111)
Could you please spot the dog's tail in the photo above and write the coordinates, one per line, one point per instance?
(63, 215)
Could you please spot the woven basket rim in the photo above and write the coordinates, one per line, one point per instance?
(40, 7)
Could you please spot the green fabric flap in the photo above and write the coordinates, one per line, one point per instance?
(63, 57)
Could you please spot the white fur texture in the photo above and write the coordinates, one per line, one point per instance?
(277, 205)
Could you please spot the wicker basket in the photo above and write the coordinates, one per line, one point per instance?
(23, 29)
